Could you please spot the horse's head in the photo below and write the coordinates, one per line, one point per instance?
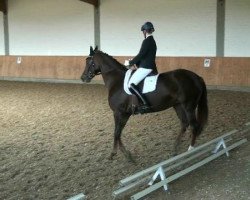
(91, 69)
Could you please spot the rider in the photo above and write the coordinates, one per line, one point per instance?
(143, 62)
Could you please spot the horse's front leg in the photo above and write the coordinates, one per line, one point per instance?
(120, 122)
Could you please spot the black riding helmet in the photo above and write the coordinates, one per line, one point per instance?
(148, 27)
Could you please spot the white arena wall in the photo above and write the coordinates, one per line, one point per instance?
(2, 51)
(183, 28)
(237, 28)
(50, 27)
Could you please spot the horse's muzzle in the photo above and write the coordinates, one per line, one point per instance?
(85, 79)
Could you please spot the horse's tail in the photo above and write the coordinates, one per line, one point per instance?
(202, 111)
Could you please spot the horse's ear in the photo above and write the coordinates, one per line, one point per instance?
(91, 51)
(96, 48)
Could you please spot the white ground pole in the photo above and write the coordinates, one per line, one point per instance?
(187, 170)
(212, 146)
(80, 196)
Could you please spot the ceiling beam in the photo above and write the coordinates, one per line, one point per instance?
(3, 6)
(93, 2)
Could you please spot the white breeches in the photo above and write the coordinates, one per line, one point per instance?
(139, 75)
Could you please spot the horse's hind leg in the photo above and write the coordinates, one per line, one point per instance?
(184, 124)
(120, 122)
(190, 112)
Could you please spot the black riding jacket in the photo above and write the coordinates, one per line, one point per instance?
(146, 56)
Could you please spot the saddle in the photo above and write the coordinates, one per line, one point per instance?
(145, 86)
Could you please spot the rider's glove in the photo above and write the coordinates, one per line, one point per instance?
(126, 63)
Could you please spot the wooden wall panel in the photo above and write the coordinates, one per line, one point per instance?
(55, 67)
(222, 72)
(235, 71)
(195, 64)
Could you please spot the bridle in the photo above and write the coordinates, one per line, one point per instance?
(91, 73)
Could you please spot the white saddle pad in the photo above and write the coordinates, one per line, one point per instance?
(149, 83)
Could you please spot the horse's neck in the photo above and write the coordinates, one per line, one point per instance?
(112, 72)
(113, 79)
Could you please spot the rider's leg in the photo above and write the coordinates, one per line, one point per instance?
(136, 78)
(135, 90)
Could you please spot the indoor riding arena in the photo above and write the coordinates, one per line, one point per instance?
(57, 133)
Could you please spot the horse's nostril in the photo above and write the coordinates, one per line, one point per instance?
(83, 78)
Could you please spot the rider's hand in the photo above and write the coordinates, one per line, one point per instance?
(133, 67)
(126, 63)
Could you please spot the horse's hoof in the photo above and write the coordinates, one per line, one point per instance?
(190, 148)
(130, 158)
(174, 154)
(112, 155)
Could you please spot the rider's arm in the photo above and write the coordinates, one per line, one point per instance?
(141, 54)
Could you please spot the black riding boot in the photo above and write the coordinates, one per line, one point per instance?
(145, 106)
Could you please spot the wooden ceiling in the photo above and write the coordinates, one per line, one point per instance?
(3, 4)
(93, 2)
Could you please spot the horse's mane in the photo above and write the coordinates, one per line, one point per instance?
(110, 58)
